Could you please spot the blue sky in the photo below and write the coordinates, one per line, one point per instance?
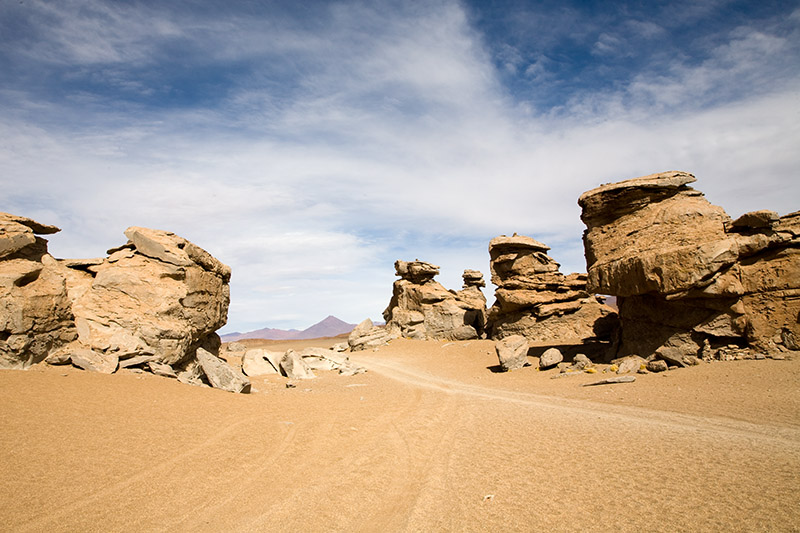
(309, 145)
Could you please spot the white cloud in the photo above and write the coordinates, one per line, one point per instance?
(396, 141)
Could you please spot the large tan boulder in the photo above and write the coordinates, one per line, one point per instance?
(35, 313)
(159, 294)
(685, 274)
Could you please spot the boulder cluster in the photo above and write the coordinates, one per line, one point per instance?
(153, 304)
(689, 280)
(536, 301)
(421, 308)
(292, 364)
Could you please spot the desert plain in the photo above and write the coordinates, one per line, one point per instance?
(430, 438)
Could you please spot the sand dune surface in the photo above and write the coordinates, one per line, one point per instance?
(430, 439)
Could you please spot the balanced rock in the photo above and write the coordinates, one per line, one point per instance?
(535, 300)
(512, 352)
(421, 308)
(684, 273)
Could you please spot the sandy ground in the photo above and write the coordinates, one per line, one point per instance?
(430, 439)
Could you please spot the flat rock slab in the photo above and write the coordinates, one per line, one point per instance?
(294, 367)
(611, 381)
(94, 361)
(220, 374)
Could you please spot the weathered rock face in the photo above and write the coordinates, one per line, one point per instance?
(535, 300)
(421, 308)
(685, 274)
(158, 294)
(153, 303)
(35, 313)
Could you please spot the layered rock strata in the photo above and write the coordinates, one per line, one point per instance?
(421, 308)
(535, 300)
(688, 279)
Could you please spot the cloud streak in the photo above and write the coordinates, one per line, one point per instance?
(309, 152)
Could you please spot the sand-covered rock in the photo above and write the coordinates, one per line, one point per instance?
(421, 308)
(685, 274)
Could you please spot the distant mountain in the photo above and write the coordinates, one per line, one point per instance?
(329, 327)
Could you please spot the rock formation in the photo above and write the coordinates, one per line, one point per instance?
(535, 300)
(159, 294)
(688, 279)
(152, 304)
(421, 308)
(35, 311)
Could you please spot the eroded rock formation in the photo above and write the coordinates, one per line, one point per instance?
(535, 300)
(421, 308)
(158, 294)
(689, 280)
(35, 311)
(152, 304)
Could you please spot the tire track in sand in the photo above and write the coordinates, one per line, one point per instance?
(399, 371)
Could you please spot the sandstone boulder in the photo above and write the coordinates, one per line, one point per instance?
(512, 352)
(293, 366)
(256, 363)
(159, 294)
(550, 358)
(366, 335)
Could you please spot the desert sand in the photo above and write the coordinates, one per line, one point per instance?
(430, 439)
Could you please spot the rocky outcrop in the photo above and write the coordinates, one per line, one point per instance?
(158, 294)
(35, 310)
(535, 300)
(151, 304)
(421, 308)
(686, 275)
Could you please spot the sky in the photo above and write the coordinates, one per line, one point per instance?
(309, 145)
